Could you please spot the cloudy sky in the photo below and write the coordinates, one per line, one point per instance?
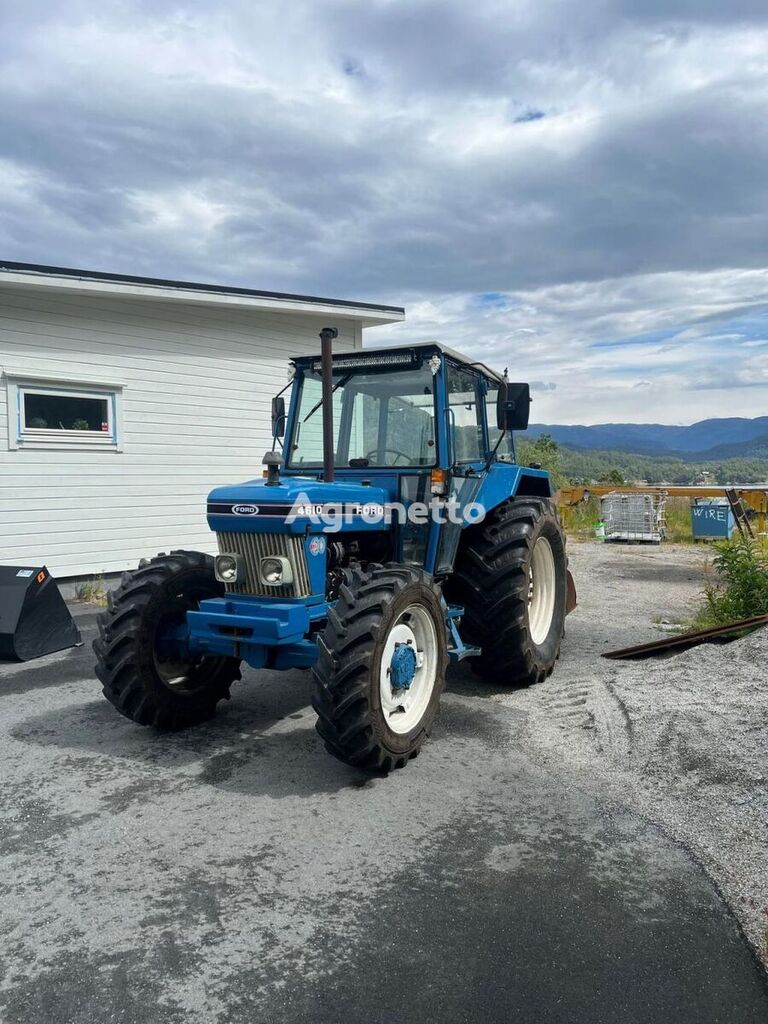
(575, 190)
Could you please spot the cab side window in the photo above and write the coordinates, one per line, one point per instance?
(465, 419)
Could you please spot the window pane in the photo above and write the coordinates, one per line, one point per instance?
(65, 412)
(397, 410)
(466, 423)
(364, 437)
(308, 448)
(384, 418)
(410, 429)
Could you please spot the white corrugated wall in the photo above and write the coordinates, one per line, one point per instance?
(196, 413)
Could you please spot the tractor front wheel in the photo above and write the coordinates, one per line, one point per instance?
(381, 667)
(142, 663)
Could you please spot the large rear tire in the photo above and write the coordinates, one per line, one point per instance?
(140, 658)
(363, 718)
(510, 576)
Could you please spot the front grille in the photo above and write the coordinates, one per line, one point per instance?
(255, 546)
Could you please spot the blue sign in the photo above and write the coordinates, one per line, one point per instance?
(712, 521)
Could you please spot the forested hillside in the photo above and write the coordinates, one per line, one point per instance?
(598, 465)
(569, 465)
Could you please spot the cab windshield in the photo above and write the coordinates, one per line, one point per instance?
(380, 418)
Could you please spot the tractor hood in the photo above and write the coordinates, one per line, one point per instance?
(295, 505)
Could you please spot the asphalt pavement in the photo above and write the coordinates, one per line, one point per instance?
(237, 872)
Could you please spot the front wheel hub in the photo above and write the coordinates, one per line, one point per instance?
(402, 667)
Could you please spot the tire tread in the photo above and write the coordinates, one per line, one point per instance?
(490, 580)
(341, 696)
(124, 640)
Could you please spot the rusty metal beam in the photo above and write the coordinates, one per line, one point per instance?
(683, 641)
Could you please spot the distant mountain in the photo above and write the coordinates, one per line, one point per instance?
(737, 434)
(757, 448)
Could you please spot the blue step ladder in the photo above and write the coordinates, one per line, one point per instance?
(458, 650)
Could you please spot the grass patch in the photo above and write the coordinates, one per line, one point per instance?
(677, 514)
(92, 591)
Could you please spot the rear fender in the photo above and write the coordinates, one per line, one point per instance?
(505, 480)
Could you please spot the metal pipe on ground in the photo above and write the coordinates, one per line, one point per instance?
(683, 641)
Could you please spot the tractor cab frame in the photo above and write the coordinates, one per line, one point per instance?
(422, 424)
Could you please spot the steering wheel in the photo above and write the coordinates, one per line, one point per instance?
(394, 451)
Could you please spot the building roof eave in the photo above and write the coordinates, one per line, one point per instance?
(40, 276)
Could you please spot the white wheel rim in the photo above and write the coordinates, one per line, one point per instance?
(541, 590)
(404, 709)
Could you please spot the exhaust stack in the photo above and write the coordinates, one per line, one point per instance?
(327, 336)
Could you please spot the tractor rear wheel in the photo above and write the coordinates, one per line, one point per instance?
(510, 576)
(141, 660)
(381, 667)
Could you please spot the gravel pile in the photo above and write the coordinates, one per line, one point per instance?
(684, 739)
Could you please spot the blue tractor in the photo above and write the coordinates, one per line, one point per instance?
(392, 532)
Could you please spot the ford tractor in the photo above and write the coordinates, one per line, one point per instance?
(391, 533)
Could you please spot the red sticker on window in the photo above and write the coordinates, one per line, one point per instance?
(105, 427)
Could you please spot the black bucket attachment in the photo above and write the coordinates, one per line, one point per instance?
(34, 620)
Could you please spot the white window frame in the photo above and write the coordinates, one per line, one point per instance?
(21, 437)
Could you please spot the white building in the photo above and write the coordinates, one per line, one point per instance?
(124, 400)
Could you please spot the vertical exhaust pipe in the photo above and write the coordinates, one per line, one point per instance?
(326, 340)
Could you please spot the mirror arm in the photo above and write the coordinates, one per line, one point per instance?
(490, 458)
(276, 440)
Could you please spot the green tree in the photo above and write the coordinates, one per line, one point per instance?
(542, 451)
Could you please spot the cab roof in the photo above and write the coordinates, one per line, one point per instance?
(400, 355)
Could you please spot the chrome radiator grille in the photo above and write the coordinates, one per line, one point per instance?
(255, 546)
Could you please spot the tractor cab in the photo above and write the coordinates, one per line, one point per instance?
(391, 532)
(420, 434)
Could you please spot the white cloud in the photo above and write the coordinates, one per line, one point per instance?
(574, 332)
(382, 151)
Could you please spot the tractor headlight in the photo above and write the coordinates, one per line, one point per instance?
(229, 568)
(275, 571)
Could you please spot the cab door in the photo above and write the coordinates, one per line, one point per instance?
(467, 445)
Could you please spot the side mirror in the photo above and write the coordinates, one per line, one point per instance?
(513, 406)
(278, 416)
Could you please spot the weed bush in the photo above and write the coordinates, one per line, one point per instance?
(741, 589)
(580, 520)
(92, 591)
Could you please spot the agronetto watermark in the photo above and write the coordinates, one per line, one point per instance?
(333, 516)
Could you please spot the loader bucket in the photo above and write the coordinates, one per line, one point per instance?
(34, 620)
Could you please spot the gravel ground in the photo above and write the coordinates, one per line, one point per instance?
(683, 740)
(237, 874)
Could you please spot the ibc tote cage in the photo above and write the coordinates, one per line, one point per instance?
(634, 517)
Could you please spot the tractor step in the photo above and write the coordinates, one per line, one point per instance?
(458, 650)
